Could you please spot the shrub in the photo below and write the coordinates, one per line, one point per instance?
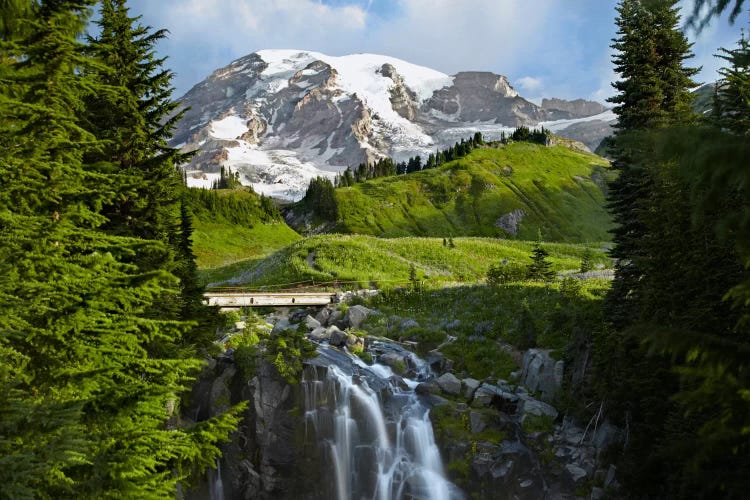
(287, 350)
(499, 274)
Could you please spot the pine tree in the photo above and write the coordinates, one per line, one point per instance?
(134, 119)
(586, 261)
(540, 267)
(653, 92)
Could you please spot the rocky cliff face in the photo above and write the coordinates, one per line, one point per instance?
(560, 109)
(282, 117)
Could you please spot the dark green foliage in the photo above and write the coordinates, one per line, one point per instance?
(93, 361)
(673, 357)
(227, 179)
(387, 167)
(240, 207)
(287, 350)
(523, 133)
(700, 19)
(504, 272)
(320, 198)
(587, 261)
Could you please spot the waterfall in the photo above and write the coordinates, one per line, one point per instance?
(374, 434)
(216, 483)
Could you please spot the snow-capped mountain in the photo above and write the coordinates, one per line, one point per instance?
(281, 117)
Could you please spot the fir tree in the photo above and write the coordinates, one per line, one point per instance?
(586, 261)
(540, 267)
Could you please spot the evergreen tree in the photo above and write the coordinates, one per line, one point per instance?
(134, 119)
(540, 267)
(653, 92)
(89, 406)
(586, 261)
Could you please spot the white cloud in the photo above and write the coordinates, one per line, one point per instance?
(564, 44)
(529, 83)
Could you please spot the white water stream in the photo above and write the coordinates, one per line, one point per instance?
(376, 449)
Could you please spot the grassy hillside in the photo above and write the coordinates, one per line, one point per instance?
(559, 190)
(235, 225)
(368, 260)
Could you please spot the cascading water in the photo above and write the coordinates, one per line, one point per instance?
(374, 433)
(216, 483)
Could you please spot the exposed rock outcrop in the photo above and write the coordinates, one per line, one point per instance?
(561, 109)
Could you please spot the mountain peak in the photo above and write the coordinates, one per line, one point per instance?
(280, 117)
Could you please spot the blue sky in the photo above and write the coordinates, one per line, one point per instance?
(548, 48)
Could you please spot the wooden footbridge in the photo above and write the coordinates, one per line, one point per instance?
(235, 298)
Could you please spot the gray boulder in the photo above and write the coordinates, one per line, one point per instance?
(449, 384)
(476, 422)
(282, 325)
(490, 395)
(319, 334)
(356, 315)
(470, 385)
(323, 315)
(311, 323)
(427, 388)
(334, 317)
(530, 406)
(336, 337)
(542, 374)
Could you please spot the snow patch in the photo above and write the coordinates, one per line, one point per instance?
(274, 172)
(556, 125)
(198, 179)
(228, 128)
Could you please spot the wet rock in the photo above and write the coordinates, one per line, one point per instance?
(337, 338)
(393, 359)
(220, 396)
(449, 384)
(436, 361)
(356, 315)
(427, 388)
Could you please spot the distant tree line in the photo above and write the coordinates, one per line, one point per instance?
(227, 179)
(387, 167)
(524, 134)
(241, 207)
(320, 198)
